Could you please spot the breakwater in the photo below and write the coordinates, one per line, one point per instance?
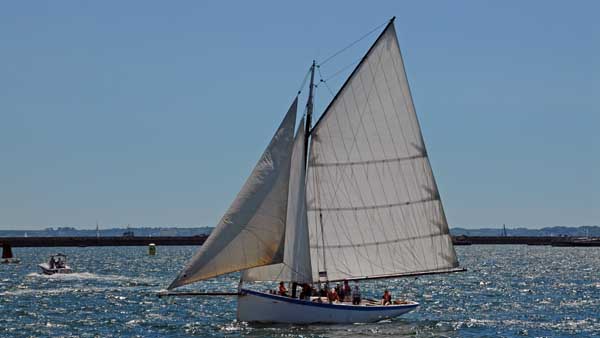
(526, 240)
(198, 240)
(101, 241)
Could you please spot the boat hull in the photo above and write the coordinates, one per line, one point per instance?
(259, 307)
(48, 271)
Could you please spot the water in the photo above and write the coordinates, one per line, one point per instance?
(510, 291)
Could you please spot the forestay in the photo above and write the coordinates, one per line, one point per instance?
(296, 264)
(373, 205)
(251, 233)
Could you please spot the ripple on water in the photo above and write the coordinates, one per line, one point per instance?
(510, 291)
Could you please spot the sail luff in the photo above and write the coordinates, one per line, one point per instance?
(251, 233)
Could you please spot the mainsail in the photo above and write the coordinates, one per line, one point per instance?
(296, 264)
(251, 233)
(373, 205)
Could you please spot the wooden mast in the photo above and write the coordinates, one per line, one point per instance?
(309, 109)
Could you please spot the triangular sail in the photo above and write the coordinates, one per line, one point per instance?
(373, 205)
(296, 264)
(251, 232)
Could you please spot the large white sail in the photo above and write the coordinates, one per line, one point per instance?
(251, 233)
(373, 205)
(296, 264)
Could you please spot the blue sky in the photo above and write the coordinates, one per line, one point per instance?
(153, 113)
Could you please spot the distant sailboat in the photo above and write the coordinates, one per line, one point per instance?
(352, 198)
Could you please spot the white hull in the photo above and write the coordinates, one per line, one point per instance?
(261, 307)
(48, 271)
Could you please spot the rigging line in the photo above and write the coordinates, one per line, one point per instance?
(390, 24)
(304, 82)
(325, 82)
(353, 43)
(341, 70)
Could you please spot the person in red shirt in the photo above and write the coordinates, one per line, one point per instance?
(387, 298)
(282, 290)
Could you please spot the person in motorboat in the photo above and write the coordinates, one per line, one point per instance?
(52, 263)
(356, 295)
(282, 290)
(387, 298)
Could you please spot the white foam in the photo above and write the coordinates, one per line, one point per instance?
(56, 291)
(88, 276)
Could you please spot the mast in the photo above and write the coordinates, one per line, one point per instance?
(309, 109)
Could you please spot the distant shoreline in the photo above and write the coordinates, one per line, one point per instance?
(557, 231)
(199, 240)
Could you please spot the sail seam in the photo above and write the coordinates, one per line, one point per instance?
(402, 274)
(389, 160)
(379, 206)
(341, 246)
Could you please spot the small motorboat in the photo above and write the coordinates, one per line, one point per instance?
(56, 264)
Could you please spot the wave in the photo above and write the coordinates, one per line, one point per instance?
(57, 291)
(91, 276)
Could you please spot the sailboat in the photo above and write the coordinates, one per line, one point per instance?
(351, 198)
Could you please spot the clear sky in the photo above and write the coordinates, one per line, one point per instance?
(154, 112)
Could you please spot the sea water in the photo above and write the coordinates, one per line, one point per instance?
(509, 291)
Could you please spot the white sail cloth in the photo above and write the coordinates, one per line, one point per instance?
(251, 232)
(296, 264)
(373, 204)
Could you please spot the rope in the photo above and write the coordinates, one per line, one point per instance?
(353, 43)
(337, 73)
(304, 82)
(324, 81)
